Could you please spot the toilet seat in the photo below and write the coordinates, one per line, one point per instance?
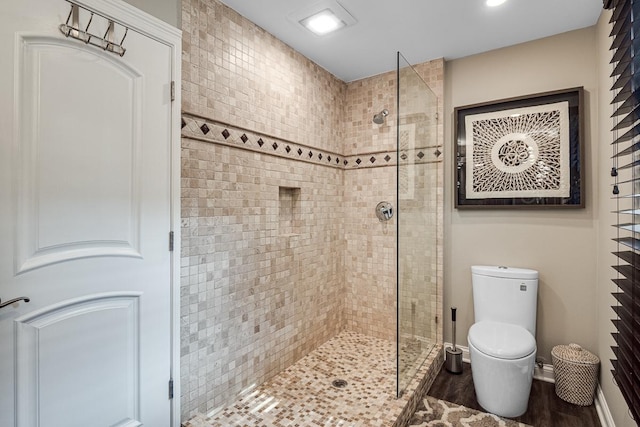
(502, 340)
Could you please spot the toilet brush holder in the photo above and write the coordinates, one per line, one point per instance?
(453, 355)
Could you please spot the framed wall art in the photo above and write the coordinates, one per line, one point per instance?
(521, 152)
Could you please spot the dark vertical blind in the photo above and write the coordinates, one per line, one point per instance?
(625, 62)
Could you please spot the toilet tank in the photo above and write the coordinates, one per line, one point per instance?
(505, 294)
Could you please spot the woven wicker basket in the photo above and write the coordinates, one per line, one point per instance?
(576, 372)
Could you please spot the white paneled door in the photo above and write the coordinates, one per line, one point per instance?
(85, 216)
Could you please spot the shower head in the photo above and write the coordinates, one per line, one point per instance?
(379, 118)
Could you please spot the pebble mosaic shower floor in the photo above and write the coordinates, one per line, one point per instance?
(303, 395)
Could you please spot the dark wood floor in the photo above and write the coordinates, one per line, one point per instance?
(545, 408)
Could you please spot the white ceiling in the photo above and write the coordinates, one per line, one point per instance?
(421, 29)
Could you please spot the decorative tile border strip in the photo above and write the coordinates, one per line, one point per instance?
(203, 129)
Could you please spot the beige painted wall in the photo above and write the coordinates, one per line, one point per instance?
(615, 401)
(560, 244)
(167, 10)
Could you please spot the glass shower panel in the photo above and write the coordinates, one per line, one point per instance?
(417, 232)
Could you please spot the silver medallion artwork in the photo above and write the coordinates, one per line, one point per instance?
(521, 152)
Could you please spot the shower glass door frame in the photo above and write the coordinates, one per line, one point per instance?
(417, 202)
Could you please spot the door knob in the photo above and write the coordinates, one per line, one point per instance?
(12, 301)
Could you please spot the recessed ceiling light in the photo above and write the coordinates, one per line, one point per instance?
(323, 22)
(322, 17)
(494, 3)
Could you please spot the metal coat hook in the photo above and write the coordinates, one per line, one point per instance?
(108, 35)
(71, 28)
(13, 301)
(86, 29)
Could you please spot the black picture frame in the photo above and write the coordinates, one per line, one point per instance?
(523, 152)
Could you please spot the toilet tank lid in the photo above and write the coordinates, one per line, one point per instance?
(505, 272)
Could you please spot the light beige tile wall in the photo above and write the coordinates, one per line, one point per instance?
(260, 286)
(420, 203)
(370, 273)
(370, 264)
(237, 73)
(364, 98)
(257, 295)
(419, 256)
(426, 282)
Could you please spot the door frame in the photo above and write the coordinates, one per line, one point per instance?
(156, 29)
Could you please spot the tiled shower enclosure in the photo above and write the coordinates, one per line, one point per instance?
(282, 168)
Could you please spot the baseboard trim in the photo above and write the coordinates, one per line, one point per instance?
(546, 374)
(604, 414)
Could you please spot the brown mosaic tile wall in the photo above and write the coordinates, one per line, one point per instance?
(269, 208)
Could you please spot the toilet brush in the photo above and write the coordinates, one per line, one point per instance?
(453, 360)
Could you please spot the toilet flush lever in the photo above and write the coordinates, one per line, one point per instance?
(13, 301)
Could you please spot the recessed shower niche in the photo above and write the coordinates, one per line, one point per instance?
(289, 212)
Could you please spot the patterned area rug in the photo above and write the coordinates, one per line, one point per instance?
(437, 413)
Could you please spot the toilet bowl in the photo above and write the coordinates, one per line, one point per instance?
(502, 362)
(502, 344)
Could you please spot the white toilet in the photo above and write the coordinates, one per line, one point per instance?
(502, 343)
